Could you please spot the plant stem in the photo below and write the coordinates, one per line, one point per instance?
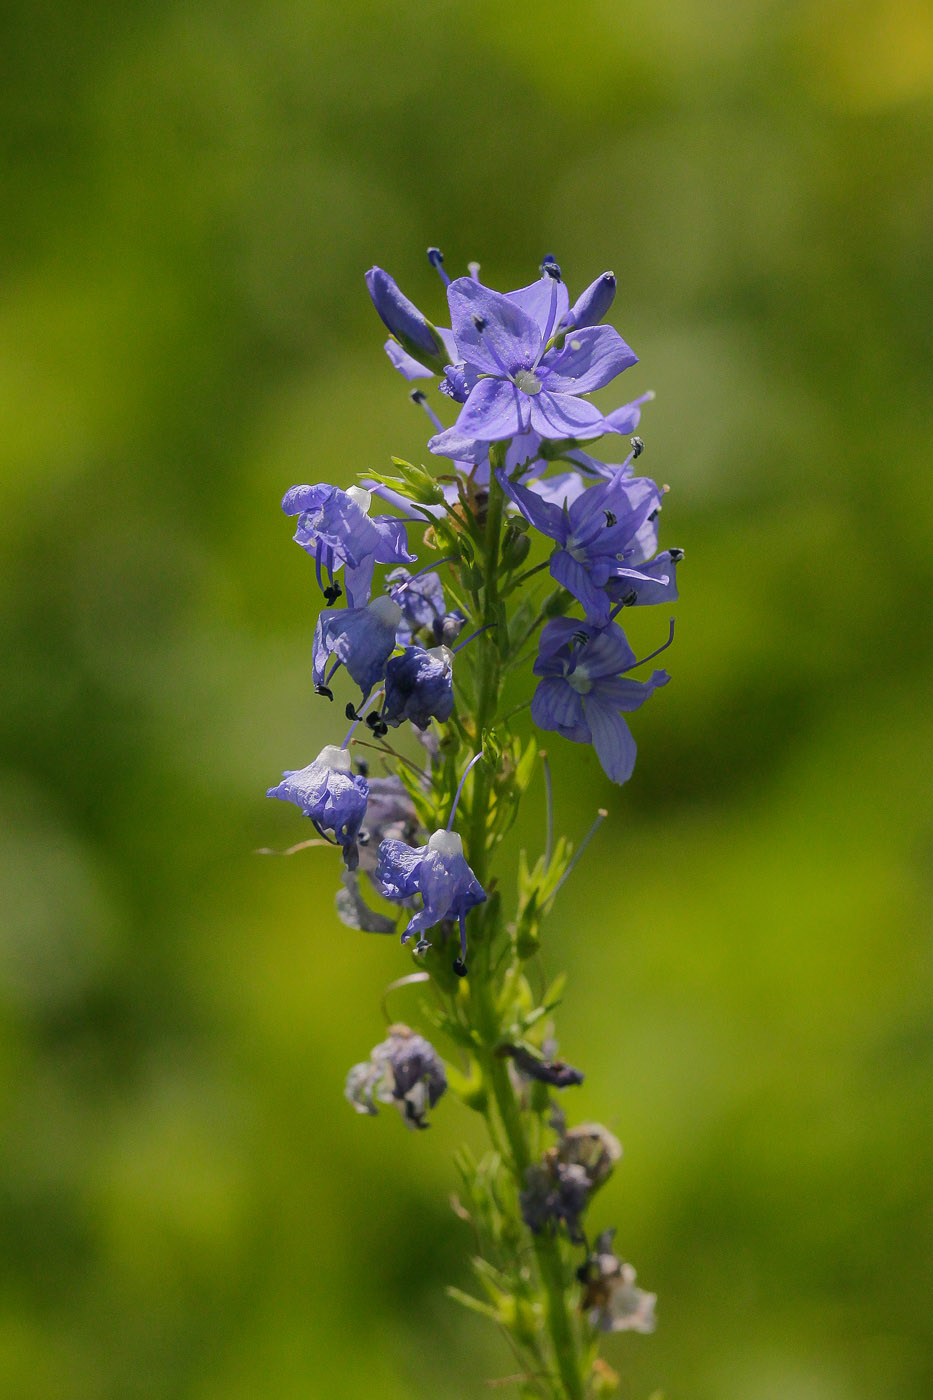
(547, 1245)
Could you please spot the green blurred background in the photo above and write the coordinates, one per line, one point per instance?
(192, 194)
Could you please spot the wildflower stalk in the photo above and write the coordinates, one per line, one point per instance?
(425, 834)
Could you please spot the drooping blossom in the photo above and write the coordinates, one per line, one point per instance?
(330, 794)
(404, 1069)
(361, 639)
(438, 872)
(336, 529)
(584, 690)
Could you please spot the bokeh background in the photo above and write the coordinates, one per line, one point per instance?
(192, 193)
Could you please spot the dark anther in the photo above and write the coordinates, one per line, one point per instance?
(380, 730)
(551, 269)
(372, 719)
(332, 594)
(610, 519)
(363, 838)
(655, 513)
(435, 257)
(630, 598)
(460, 967)
(362, 767)
(581, 637)
(350, 712)
(638, 446)
(322, 690)
(676, 555)
(480, 323)
(418, 396)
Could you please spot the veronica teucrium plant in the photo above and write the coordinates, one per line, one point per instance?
(458, 596)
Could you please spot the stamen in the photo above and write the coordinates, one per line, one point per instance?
(676, 555)
(357, 716)
(472, 635)
(610, 519)
(420, 398)
(453, 811)
(460, 967)
(436, 259)
(549, 269)
(653, 654)
(435, 564)
(473, 270)
(479, 322)
(323, 690)
(638, 446)
(601, 816)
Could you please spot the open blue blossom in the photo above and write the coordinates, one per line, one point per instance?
(361, 639)
(584, 688)
(604, 534)
(440, 874)
(336, 529)
(330, 794)
(419, 686)
(423, 605)
(513, 378)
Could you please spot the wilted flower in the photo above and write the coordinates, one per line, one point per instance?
(421, 599)
(557, 1073)
(404, 1069)
(610, 1297)
(440, 874)
(335, 528)
(554, 1192)
(331, 795)
(592, 1147)
(419, 686)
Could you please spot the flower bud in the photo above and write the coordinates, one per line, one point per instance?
(592, 305)
(410, 328)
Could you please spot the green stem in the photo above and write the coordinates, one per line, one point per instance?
(486, 1015)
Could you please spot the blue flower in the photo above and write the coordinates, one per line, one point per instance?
(422, 602)
(583, 690)
(419, 340)
(602, 535)
(440, 874)
(362, 639)
(512, 378)
(657, 584)
(335, 528)
(404, 1069)
(331, 795)
(419, 686)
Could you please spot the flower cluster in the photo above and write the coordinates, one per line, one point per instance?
(509, 561)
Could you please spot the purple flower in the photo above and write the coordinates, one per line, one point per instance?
(602, 535)
(512, 379)
(390, 814)
(554, 1192)
(362, 639)
(583, 690)
(440, 874)
(658, 582)
(422, 602)
(419, 340)
(335, 528)
(591, 306)
(404, 1069)
(419, 686)
(331, 795)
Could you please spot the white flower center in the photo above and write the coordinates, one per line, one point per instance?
(527, 381)
(447, 842)
(360, 497)
(580, 681)
(334, 758)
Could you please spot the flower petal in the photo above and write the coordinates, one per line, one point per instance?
(612, 740)
(492, 412)
(590, 358)
(509, 333)
(556, 705)
(564, 415)
(576, 577)
(536, 302)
